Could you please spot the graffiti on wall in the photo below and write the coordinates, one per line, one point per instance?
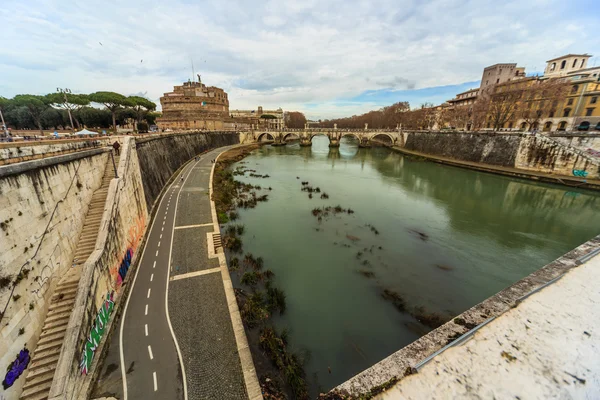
(580, 173)
(97, 332)
(119, 271)
(16, 368)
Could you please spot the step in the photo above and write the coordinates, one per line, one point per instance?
(58, 316)
(41, 389)
(53, 336)
(88, 247)
(38, 380)
(48, 351)
(58, 325)
(67, 284)
(52, 331)
(35, 372)
(61, 308)
(66, 295)
(44, 362)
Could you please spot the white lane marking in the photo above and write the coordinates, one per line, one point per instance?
(154, 265)
(156, 253)
(151, 277)
(146, 329)
(155, 384)
(149, 289)
(193, 226)
(196, 273)
(167, 207)
(146, 312)
(165, 216)
(160, 236)
(123, 319)
(159, 243)
(150, 352)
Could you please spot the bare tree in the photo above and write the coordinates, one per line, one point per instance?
(540, 100)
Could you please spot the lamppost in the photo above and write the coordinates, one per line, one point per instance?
(4, 128)
(65, 92)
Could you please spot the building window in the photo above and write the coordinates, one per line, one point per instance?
(548, 126)
(486, 83)
(553, 67)
(498, 80)
(563, 64)
(589, 112)
(551, 114)
(593, 100)
(523, 126)
(574, 63)
(574, 89)
(562, 125)
(570, 102)
(566, 112)
(582, 62)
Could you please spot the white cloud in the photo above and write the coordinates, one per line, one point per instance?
(279, 53)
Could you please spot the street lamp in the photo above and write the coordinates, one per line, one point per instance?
(65, 92)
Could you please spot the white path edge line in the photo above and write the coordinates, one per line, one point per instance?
(193, 226)
(185, 391)
(122, 357)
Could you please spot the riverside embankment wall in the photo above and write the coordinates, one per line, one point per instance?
(160, 156)
(43, 204)
(145, 167)
(522, 151)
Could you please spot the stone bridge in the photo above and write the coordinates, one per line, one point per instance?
(365, 136)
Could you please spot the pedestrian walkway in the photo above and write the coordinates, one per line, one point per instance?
(198, 306)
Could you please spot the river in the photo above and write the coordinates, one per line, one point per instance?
(442, 237)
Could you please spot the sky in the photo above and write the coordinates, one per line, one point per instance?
(327, 59)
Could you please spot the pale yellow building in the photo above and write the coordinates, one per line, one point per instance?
(562, 66)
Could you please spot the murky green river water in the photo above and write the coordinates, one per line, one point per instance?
(449, 239)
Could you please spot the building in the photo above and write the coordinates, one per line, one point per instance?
(465, 98)
(257, 119)
(500, 73)
(194, 105)
(562, 66)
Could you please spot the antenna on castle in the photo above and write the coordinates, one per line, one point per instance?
(193, 72)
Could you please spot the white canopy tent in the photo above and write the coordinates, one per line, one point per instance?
(85, 132)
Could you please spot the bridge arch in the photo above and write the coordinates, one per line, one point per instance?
(312, 136)
(351, 134)
(291, 136)
(382, 137)
(265, 135)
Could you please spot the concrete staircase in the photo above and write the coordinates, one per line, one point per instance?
(45, 357)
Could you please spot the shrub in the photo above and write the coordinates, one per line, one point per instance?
(142, 127)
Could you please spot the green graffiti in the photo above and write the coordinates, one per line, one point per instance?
(97, 332)
(580, 173)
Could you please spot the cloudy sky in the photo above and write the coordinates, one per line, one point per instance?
(325, 58)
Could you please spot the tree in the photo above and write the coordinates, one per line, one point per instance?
(3, 106)
(141, 106)
(459, 116)
(35, 105)
(69, 102)
(541, 100)
(151, 117)
(113, 102)
(295, 120)
(503, 103)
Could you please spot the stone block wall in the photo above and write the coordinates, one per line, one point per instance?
(162, 155)
(16, 152)
(121, 230)
(488, 148)
(43, 204)
(582, 142)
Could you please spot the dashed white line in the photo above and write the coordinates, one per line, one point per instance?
(146, 329)
(162, 229)
(154, 265)
(156, 253)
(163, 222)
(151, 277)
(149, 289)
(146, 312)
(159, 243)
(160, 236)
(150, 352)
(155, 384)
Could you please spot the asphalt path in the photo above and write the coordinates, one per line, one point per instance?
(149, 352)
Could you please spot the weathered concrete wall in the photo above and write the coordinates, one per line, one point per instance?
(522, 151)
(17, 152)
(162, 155)
(542, 154)
(122, 227)
(583, 142)
(43, 204)
(398, 364)
(488, 148)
